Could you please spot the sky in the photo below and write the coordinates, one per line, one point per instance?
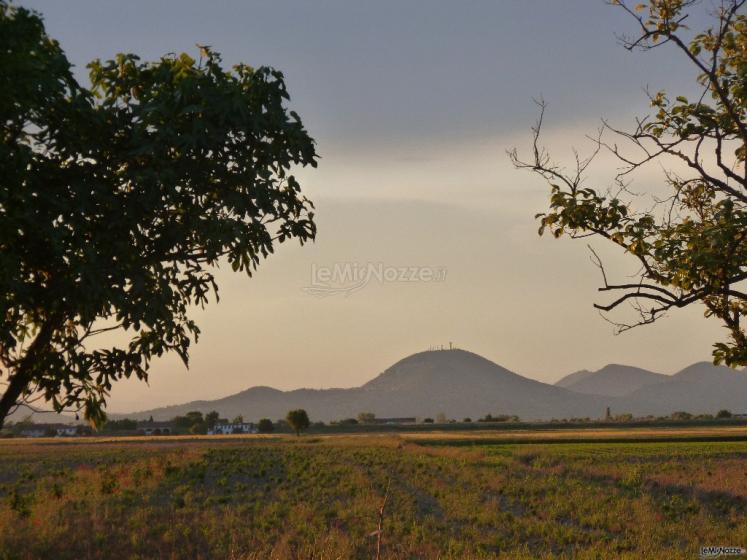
(413, 105)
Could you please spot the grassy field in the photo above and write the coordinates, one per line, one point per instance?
(560, 494)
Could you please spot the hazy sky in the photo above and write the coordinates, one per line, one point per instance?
(413, 105)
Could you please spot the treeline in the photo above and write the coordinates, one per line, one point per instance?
(297, 421)
(193, 422)
(679, 415)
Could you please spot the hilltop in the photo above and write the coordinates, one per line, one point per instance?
(456, 383)
(462, 384)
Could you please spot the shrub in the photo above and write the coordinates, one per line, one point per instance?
(265, 426)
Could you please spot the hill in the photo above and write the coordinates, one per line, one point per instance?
(699, 388)
(572, 378)
(613, 380)
(456, 383)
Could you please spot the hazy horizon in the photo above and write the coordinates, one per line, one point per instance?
(413, 107)
(435, 348)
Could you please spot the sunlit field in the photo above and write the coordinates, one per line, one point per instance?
(449, 495)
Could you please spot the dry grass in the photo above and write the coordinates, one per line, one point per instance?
(319, 497)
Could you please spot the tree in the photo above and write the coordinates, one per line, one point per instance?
(298, 420)
(690, 244)
(724, 414)
(265, 426)
(193, 422)
(498, 418)
(212, 418)
(198, 428)
(125, 424)
(118, 202)
(366, 418)
(238, 419)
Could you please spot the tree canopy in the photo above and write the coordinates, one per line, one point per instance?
(119, 201)
(691, 244)
(298, 420)
(265, 426)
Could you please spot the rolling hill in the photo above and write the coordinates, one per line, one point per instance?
(613, 380)
(699, 388)
(458, 384)
(454, 382)
(572, 378)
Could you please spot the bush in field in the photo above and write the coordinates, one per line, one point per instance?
(265, 426)
(724, 414)
(198, 428)
(298, 420)
(427, 420)
(681, 415)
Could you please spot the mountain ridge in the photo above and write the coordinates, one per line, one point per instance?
(613, 380)
(454, 382)
(459, 383)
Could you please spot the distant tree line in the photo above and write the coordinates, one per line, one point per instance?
(297, 421)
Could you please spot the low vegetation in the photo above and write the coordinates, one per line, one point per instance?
(282, 497)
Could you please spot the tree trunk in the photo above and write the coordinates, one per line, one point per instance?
(24, 372)
(15, 388)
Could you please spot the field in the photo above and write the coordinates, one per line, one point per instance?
(560, 494)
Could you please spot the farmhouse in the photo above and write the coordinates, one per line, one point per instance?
(35, 430)
(233, 428)
(68, 430)
(54, 430)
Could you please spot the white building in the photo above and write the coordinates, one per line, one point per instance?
(67, 431)
(233, 428)
(51, 430)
